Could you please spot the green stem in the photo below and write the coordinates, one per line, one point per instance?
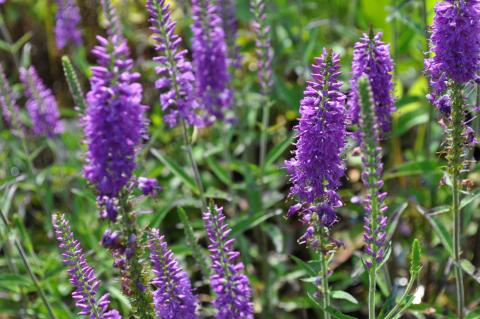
(372, 283)
(325, 286)
(26, 263)
(397, 309)
(456, 130)
(139, 284)
(264, 137)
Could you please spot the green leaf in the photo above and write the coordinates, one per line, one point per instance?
(13, 280)
(219, 171)
(305, 266)
(338, 294)
(415, 263)
(337, 314)
(439, 229)
(470, 270)
(176, 170)
(251, 221)
(278, 150)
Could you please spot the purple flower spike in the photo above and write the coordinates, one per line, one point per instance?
(264, 47)
(8, 102)
(230, 26)
(114, 121)
(210, 59)
(41, 105)
(455, 42)
(231, 285)
(317, 166)
(176, 80)
(371, 57)
(81, 274)
(173, 298)
(67, 20)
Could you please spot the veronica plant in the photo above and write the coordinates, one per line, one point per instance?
(67, 20)
(231, 286)
(317, 166)
(455, 43)
(82, 276)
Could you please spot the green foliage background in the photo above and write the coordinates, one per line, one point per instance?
(227, 155)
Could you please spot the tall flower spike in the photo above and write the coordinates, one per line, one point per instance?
(41, 104)
(230, 26)
(210, 59)
(231, 285)
(371, 57)
(114, 121)
(176, 81)
(8, 102)
(113, 27)
(264, 47)
(375, 221)
(317, 166)
(455, 42)
(81, 274)
(173, 297)
(67, 20)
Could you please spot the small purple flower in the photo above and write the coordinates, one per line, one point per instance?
(67, 20)
(210, 59)
(8, 101)
(114, 121)
(264, 47)
(317, 166)
(81, 274)
(231, 285)
(173, 297)
(176, 81)
(41, 105)
(148, 186)
(371, 57)
(455, 43)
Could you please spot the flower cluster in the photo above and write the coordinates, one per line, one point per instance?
(317, 166)
(375, 221)
(176, 81)
(455, 43)
(41, 104)
(67, 20)
(173, 297)
(231, 285)
(8, 102)
(371, 57)
(148, 186)
(81, 274)
(264, 47)
(114, 121)
(210, 59)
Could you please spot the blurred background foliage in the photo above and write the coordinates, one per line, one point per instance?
(227, 154)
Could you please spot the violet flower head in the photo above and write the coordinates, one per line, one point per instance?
(231, 285)
(263, 44)
(455, 43)
(372, 166)
(317, 165)
(176, 82)
(210, 60)
(114, 121)
(67, 20)
(41, 105)
(173, 297)
(8, 101)
(230, 28)
(371, 57)
(81, 274)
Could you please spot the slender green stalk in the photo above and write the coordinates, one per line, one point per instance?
(27, 265)
(372, 283)
(455, 154)
(142, 299)
(264, 136)
(397, 309)
(325, 286)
